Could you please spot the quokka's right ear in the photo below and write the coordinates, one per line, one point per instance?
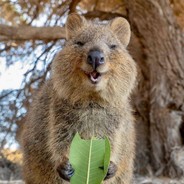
(121, 28)
(73, 24)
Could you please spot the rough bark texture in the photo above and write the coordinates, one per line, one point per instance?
(163, 59)
(140, 100)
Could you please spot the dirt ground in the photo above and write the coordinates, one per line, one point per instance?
(10, 173)
(148, 180)
(138, 180)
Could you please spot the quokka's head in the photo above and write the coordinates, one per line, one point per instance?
(94, 59)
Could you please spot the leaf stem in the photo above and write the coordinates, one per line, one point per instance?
(89, 161)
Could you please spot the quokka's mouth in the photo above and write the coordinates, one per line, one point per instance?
(94, 76)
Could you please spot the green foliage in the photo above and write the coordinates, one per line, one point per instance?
(90, 160)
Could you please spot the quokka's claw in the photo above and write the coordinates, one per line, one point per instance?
(65, 170)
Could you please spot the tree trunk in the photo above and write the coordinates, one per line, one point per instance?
(162, 68)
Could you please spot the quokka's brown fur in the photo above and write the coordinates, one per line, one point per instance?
(69, 102)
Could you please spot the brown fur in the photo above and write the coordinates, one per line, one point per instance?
(70, 103)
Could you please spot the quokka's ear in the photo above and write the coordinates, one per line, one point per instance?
(73, 24)
(121, 28)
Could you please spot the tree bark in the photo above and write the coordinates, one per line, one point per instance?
(163, 49)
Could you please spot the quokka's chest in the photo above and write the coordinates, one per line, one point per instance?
(97, 122)
(90, 121)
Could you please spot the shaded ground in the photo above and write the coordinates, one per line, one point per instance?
(139, 180)
(12, 182)
(9, 170)
(148, 180)
(10, 173)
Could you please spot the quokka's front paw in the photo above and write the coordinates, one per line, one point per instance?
(65, 170)
(111, 170)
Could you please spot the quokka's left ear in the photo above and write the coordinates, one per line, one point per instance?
(73, 24)
(121, 28)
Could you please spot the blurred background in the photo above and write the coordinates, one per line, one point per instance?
(32, 32)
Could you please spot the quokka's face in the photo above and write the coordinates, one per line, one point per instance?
(95, 55)
(96, 51)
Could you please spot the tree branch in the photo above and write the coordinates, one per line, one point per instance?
(24, 33)
(73, 5)
(102, 15)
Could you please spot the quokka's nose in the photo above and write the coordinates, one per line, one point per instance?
(95, 58)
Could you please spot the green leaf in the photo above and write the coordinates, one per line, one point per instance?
(90, 160)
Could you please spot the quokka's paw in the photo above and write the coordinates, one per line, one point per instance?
(111, 170)
(65, 170)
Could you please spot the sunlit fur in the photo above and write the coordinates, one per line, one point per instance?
(70, 103)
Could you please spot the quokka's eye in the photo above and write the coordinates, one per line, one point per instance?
(113, 46)
(79, 43)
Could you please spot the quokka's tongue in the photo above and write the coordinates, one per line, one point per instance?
(94, 74)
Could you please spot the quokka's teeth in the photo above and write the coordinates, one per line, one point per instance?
(93, 79)
(94, 74)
